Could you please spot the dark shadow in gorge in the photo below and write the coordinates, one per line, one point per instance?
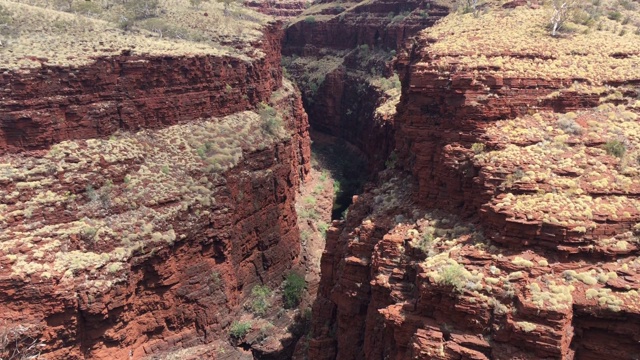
(347, 165)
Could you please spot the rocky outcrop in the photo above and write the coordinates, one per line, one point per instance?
(46, 105)
(109, 288)
(141, 198)
(340, 54)
(541, 255)
(383, 24)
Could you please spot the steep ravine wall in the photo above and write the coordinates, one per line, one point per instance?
(202, 233)
(431, 263)
(345, 101)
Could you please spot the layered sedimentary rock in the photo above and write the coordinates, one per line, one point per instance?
(45, 105)
(142, 196)
(534, 151)
(145, 242)
(347, 25)
(339, 54)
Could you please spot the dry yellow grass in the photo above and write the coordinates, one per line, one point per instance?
(64, 38)
(516, 43)
(567, 163)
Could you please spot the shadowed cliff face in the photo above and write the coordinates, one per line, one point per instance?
(340, 55)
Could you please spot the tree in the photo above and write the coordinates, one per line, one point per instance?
(562, 9)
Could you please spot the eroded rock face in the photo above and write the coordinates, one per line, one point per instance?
(340, 54)
(43, 106)
(533, 250)
(151, 240)
(370, 23)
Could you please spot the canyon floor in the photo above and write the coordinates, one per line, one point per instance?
(377, 179)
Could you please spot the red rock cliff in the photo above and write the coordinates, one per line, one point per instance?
(339, 53)
(46, 105)
(149, 240)
(514, 234)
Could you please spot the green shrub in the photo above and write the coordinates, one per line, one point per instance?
(391, 161)
(478, 148)
(400, 17)
(308, 214)
(305, 236)
(425, 241)
(142, 9)
(266, 111)
(615, 15)
(272, 123)
(310, 19)
(137, 10)
(453, 275)
(216, 280)
(6, 17)
(294, 286)
(323, 227)
(239, 329)
(615, 148)
(260, 303)
(569, 126)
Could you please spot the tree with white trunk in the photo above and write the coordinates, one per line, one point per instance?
(562, 9)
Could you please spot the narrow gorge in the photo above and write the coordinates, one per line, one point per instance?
(325, 180)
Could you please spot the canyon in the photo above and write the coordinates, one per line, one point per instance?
(157, 200)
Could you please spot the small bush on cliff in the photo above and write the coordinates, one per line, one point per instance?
(478, 148)
(260, 302)
(391, 161)
(142, 9)
(272, 123)
(569, 126)
(310, 20)
(294, 286)
(453, 275)
(425, 242)
(239, 329)
(138, 10)
(615, 148)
